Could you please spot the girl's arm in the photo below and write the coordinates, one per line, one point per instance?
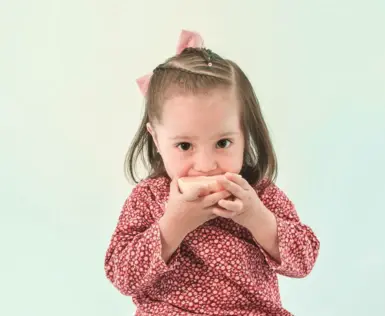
(134, 259)
(172, 236)
(289, 246)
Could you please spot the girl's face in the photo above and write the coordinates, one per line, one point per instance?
(200, 135)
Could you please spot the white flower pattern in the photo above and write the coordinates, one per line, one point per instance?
(219, 269)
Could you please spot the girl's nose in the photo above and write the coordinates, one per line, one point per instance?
(205, 162)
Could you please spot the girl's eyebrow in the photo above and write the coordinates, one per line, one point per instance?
(226, 134)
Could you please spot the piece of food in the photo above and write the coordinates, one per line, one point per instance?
(190, 186)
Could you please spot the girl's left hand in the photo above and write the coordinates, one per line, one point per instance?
(246, 203)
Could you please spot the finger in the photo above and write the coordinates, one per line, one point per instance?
(214, 198)
(235, 206)
(232, 187)
(223, 213)
(238, 179)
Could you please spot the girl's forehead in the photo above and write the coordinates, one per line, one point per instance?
(207, 107)
(212, 113)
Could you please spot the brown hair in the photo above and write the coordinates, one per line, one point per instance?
(193, 71)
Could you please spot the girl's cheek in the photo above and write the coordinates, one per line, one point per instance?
(178, 164)
(232, 163)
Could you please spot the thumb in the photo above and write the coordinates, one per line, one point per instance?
(174, 186)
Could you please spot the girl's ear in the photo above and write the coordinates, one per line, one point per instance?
(151, 130)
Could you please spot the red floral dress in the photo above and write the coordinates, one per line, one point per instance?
(219, 268)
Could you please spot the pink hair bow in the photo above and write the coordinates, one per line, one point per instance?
(186, 39)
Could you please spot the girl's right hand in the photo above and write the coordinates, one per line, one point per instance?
(190, 212)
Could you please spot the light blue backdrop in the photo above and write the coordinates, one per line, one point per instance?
(69, 106)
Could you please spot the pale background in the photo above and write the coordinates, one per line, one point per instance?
(69, 107)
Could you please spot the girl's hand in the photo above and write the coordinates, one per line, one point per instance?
(245, 204)
(187, 213)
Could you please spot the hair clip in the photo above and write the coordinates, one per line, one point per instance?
(210, 56)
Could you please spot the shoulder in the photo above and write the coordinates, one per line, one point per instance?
(143, 204)
(269, 192)
(151, 189)
(266, 187)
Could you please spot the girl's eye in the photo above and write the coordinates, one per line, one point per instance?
(184, 146)
(223, 143)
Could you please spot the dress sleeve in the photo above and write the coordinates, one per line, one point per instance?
(133, 260)
(298, 245)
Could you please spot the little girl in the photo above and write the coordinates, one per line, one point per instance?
(218, 253)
